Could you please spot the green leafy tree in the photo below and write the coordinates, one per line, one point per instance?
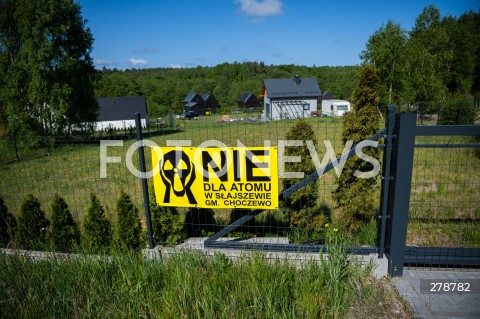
(8, 225)
(128, 228)
(32, 225)
(304, 213)
(427, 59)
(356, 197)
(64, 230)
(47, 71)
(97, 228)
(385, 50)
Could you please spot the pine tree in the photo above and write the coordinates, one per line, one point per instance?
(8, 225)
(304, 213)
(357, 197)
(65, 232)
(97, 228)
(128, 228)
(32, 225)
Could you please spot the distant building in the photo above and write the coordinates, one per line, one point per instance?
(211, 103)
(118, 112)
(290, 98)
(248, 101)
(327, 96)
(194, 102)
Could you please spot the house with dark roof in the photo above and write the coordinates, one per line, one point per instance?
(247, 101)
(194, 102)
(290, 98)
(118, 112)
(211, 103)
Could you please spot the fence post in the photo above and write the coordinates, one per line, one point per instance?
(399, 193)
(146, 201)
(386, 180)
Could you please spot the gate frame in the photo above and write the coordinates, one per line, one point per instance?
(397, 251)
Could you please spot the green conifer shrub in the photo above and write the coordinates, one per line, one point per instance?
(8, 225)
(305, 214)
(200, 222)
(64, 230)
(32, 232)
(167, 226)
(128, 228)
(358, 198)
(97, 228)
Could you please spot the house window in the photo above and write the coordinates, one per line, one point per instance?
(342, 107)
(306, 107)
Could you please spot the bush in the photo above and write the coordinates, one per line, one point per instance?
(97, 228)
(128, 228)
(459, 109)
(199, 222)
(305, 217)
(166, 224)
(8, 225)
(356, 197)
(32, 225)
(65, 232)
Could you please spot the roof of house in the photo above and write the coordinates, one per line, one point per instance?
(207, 96)
(121, 108)
(190, 97)
(293, 87)
(191, 104)
(246, 97)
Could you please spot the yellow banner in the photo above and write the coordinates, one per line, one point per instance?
(234, 177)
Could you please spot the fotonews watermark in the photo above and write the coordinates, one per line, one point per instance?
(221, 165)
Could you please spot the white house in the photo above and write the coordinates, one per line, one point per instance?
(335, 107)
(119, 112)
(290, 98)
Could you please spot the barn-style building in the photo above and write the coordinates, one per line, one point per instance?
(248, 101)
(118, 112)
(211, 103)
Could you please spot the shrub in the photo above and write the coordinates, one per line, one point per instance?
(97, 228)
(8, 225)
(459, 109)
(306, 196)
(248, 227)
(128, 228)
(304, 214)
(166, 224)
(32, 225)
(65, 232)
(356, 197)
(199, 222)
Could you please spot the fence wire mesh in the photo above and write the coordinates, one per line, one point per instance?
(445, 198)
(70, 167)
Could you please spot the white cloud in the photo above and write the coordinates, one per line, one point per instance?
(137, 62)
(260, 8)
(175, 66)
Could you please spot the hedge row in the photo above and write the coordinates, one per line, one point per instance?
(32, 230)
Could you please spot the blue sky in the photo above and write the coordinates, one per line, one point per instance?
(187, 33)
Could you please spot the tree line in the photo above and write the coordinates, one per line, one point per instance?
(432, 68)
(166, 88)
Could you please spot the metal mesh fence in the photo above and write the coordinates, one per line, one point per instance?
(445, 198)
(71, 167)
